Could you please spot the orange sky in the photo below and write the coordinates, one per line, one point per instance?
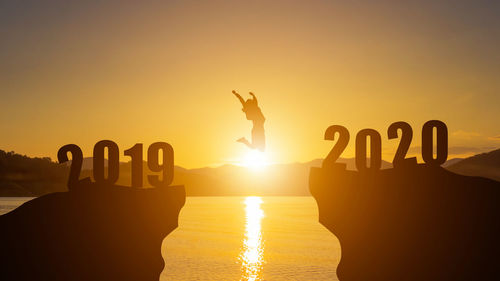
(164, 71)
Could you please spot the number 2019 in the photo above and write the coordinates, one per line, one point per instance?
(135, 152)
(392, 133)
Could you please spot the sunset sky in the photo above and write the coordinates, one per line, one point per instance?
(147, 71)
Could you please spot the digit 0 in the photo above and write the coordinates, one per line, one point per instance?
(441, 142)
(113, 162)
(375, 150)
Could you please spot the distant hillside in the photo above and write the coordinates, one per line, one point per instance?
(24, 176)
(277, 179)
(451, 162)
(88, 163)
(484, 165)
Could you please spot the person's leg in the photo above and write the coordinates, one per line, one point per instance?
(245, 141)
(258, 136)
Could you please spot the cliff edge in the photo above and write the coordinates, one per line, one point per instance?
(92, 232)
(411, 223)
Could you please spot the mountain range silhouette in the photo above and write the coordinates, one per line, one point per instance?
(26, 179)
(485, 165)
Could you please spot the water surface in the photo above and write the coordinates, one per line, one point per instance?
(245, 238)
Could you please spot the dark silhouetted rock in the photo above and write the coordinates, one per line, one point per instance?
(90, 233)
(412, 223)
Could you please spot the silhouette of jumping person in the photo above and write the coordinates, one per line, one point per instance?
(253, 113)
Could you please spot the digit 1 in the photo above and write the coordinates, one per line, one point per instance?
(135, 152)
(167, 167)
(113, 162)
(375, 150)
(441, 145)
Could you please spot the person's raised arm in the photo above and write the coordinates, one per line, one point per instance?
(254, 98)
(239, 97)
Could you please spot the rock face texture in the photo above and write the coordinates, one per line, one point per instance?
(92, 232)
(411, 223)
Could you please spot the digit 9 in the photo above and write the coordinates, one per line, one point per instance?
(166, 167)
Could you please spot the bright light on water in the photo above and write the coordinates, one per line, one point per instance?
(252, 254)
(209, 242)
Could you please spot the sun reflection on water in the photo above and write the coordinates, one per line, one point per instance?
(252, 256)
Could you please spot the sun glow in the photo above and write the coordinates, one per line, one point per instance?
(255, 159)
(252, 256)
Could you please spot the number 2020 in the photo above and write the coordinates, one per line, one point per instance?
(135, 152)
(392, 133)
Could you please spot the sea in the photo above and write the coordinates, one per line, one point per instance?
(244, 238)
